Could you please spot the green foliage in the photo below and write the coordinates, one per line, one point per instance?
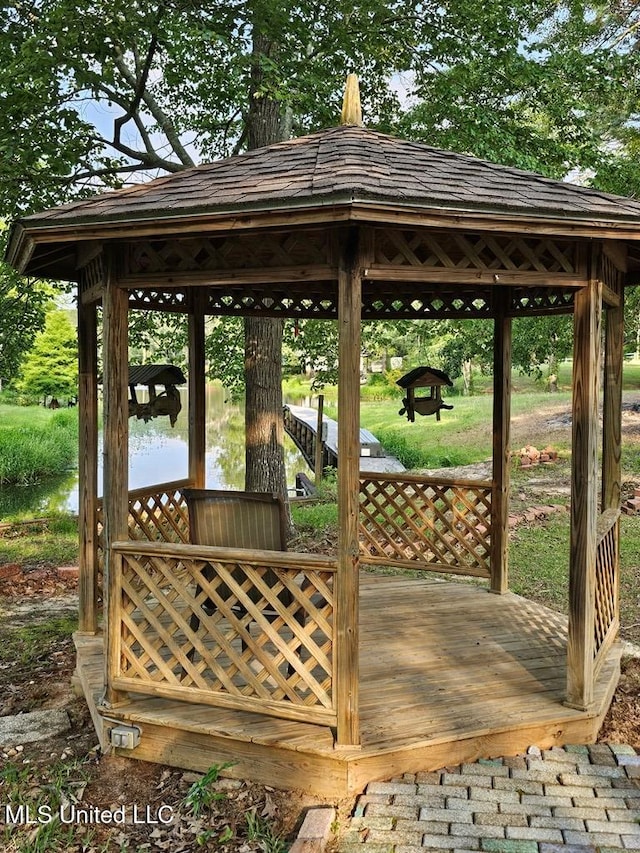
(201, 795)
(29, 454)
(315, 516)
(541, 340)
(22, 310)
(51, 367)
(261, 831)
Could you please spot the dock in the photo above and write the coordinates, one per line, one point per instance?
(301, 423)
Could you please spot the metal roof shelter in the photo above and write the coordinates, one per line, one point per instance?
(350, 224)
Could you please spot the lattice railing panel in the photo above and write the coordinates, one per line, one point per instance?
(481, 251)
(156, 514)
(240, 632)
(426, 524)
(606, 585)
(227, 253)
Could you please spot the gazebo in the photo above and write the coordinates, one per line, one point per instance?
(362, 676)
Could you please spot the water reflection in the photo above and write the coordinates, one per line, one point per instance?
(158, 453)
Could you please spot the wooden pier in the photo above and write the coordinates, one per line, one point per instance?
(301, 423)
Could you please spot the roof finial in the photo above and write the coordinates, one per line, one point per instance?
(351, 109)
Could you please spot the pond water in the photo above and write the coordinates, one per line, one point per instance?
(158, 453)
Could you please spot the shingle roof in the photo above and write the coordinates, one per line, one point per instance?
(343, 164)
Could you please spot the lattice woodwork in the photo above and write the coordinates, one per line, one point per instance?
(426, 524)
(396, 301)
(315, 300)
(611, 275)
(156, 514)
(481, 251)
(227, 253)
(606, 587)
(232, 654)
(173, 300)
(92, 275)
(381, 300)
(531, 301)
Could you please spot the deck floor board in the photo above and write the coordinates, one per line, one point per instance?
(440, 663)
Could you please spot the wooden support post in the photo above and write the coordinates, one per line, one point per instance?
(319, 448)
(197, 391)
(87, 467)
(116, 441)
(612, 408)
(501, 452)
(584, 487)
(346, 632)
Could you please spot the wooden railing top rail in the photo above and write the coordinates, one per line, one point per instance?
(156, 489)
(606, 521)
(276, 559)
(403, 477)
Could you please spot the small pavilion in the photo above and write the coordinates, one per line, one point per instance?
(379, 675)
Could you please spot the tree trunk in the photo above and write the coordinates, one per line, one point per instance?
(467, 377)
(264, 430)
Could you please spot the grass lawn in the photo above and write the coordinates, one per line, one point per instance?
(464, 435)
(37, 546)
(539, 567)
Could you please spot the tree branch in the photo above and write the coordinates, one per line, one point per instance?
(165, 123)
(149, 160)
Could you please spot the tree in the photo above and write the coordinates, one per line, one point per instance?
(51, 367)
(94, 94)
(22, 313)
(542, 340)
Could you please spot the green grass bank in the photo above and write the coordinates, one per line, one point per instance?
(35, 443)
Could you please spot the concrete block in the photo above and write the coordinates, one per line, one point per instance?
(493, 795)
(434, 842)
(446, 815)
(568, 792)
(390, 788)
(391, 810)
(521, 786)
(484, 769)
(547, 800)
(586, 779)
(624, 828)
(592, 838)
(501, 819)
(534, 833)
(472, 806)
(558, 823)
(492, 845)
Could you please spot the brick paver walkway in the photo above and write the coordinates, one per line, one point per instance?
(573, 799)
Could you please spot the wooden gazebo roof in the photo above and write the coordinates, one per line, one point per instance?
(344, 173)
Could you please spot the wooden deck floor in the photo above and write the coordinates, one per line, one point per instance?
(448, 672)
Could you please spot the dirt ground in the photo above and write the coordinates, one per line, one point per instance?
(228, 815)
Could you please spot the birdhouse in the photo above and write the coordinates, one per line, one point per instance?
(423, 377)
(165, 403)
